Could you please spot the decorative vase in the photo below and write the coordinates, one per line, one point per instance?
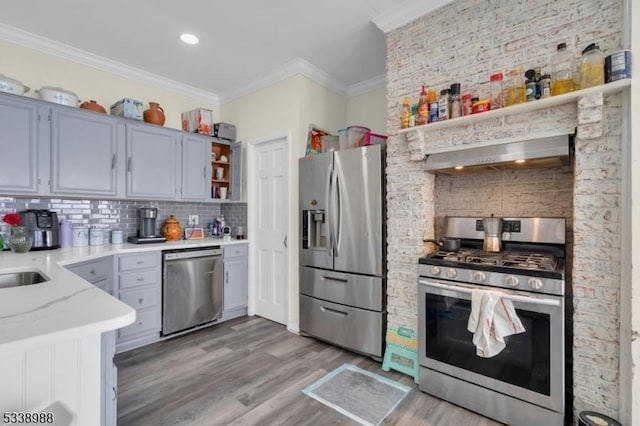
(154, 115)
(171, 229)
(20, 239)
(93, 106)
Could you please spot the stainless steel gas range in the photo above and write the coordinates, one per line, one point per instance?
(524, 384)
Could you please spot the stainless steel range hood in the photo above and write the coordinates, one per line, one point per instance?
(548, 151)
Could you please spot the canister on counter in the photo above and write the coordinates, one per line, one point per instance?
(117, 236)
(96, 236)
(80, 237)
(617, 66)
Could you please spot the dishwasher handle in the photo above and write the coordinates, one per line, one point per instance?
(191, 254)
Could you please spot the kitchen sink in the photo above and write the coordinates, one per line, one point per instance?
(15, 279)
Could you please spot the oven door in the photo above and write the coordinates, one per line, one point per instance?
(531, 366)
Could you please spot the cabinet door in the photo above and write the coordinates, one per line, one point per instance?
(235, 284)
(152, 162)
(196, 168)
(18, 143)
(83, 152)
(236, 171)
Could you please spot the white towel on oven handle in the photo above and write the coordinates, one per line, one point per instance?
(492, 318)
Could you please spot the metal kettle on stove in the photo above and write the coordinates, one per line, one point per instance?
(492, 234)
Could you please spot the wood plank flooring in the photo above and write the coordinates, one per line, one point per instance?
(250, 371)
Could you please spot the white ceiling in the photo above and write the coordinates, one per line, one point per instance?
(241, 41)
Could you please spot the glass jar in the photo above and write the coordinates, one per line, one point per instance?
(456, 101)
(561, 65)
(443, 105)
(20, 239)
(497, 99)
(591, 68)
(516, 92)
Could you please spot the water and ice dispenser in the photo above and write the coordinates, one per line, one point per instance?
(315, 232)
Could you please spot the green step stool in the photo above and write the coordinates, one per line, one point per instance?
(403, 343)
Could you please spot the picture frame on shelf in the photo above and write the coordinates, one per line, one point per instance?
(193, 233)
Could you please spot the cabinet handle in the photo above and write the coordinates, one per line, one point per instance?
(226, 277)
(140, 301)
(129, 164)
(115, 393)
(285, 241)
(114, 160)
(92, 272)
(204, 173)
(140, 280)
(139, 262)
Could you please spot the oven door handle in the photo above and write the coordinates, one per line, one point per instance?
(466, 290)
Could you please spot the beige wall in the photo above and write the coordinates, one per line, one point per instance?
(289, 106)
(36, 69)
(369, 110)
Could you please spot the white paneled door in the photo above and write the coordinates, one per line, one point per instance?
(269, 223)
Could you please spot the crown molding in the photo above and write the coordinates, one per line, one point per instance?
(367, 86)
(405, 12)
(36, 42)
(294, 67)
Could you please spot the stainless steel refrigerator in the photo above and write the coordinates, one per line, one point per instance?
(343, 248)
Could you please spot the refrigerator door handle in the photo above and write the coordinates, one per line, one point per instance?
(338, 217)
(328, 214)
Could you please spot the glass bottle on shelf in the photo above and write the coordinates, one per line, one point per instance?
(456, 101)
(516, 93)
(562, 79)
(496, 89)
(423, 108)
(443, 105)
(591, 69)
(405, 113)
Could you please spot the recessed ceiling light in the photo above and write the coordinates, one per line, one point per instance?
(189, 38)
(459, 167)
(519, 161)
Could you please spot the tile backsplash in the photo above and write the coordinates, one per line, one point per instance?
(123, 214)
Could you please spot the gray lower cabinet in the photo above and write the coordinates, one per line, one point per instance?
(139, 285)
(152, 162)
(19, 132)
(99, 273)
(235, 263)
(84, 152)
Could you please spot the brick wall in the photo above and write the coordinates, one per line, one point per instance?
(465, 42)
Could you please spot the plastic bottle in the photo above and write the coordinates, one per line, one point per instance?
(405, 113)
(561, 65)
(516, 93)
(545, 86)
(423, 108)
(433, 106)
(591, 68)
(456, 101)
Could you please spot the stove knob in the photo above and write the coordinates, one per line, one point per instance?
(451, 273)
(511, 281)
(479, 276)
(435, 270)
(535, 283)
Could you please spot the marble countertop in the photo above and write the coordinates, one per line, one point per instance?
(67, 306)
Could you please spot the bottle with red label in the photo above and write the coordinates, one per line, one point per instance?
(423, 108)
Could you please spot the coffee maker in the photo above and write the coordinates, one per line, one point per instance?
(147, 231)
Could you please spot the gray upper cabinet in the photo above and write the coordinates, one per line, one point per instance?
(84, 152)
(236, 171)
(19, 126)
(152, 162)
(196, 167)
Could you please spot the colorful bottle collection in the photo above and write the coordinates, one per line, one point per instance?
(565, 74)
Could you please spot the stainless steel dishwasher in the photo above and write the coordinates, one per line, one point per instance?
(191, 288)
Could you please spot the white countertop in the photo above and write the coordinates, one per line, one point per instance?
(67, 306)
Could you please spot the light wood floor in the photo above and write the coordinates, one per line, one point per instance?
(250, 371)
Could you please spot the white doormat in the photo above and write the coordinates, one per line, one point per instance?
(358, 394)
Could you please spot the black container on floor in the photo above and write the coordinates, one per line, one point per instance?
(591, 418)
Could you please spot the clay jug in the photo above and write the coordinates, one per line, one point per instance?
(171, 229)
(93, 106)
(154, 115)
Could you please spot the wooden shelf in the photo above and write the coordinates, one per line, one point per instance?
(222, 163)
(220, 181)
(565, 98)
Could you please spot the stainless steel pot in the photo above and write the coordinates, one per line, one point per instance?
(58, 95)
(9, 85)
(492, 234)
(447, 244)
